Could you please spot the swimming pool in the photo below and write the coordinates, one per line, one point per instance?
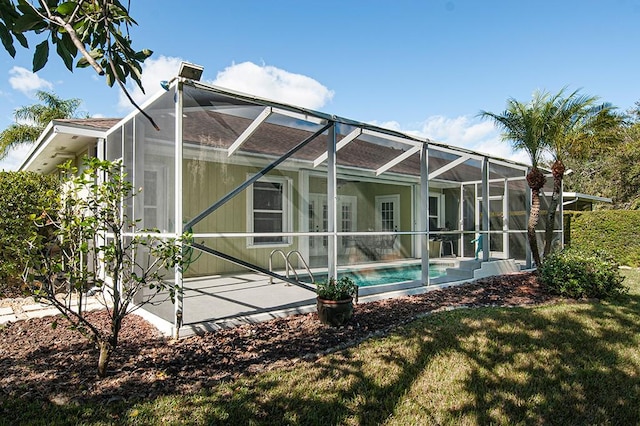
(366, 277)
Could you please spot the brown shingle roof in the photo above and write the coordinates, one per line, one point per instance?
(221, 130)
(95, 123)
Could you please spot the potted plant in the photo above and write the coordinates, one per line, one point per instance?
(335, 300)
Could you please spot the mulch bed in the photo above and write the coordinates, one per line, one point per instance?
(59, 365)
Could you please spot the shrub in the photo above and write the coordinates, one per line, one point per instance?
(582, 274)
(340, 289)
(22, 194)
(615, 231)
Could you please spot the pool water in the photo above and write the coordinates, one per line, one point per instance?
(366, 277)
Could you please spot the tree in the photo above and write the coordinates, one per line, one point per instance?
(31, 120)
(574, 121)
(96, 30)
(93, 244)
(523, 125)
(609, 166)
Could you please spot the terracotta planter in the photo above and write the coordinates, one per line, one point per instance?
(335, 312)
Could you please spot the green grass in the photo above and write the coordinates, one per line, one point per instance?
(575, 363)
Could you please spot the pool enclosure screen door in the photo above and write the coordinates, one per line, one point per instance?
(498, 238)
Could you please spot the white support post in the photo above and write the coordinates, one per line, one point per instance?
(505, 219)
(101, 149)
(485, 210)
(423, 218)
(332, 198)
(179, 303)
(461, 222)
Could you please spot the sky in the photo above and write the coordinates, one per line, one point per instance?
(424, 67)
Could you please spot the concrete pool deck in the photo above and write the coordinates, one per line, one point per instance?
(217, 302)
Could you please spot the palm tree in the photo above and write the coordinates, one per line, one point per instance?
(524, 125)
(31, 120)
(574, 121)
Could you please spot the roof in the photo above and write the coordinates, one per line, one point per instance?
(570, 197)
(63, 139)
(216, 123)
(219, 131)
(92, 122)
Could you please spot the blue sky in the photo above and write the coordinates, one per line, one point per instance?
(424, 67)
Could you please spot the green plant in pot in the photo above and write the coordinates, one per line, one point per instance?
(335, 300)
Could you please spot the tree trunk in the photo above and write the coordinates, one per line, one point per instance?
(536, 181)
(105, 355)
(558, 172)
(531, 227)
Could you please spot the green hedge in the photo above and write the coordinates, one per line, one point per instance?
(617, 232)
(21, 194)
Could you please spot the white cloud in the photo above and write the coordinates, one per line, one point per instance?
(471, 133)
(274, 83)
(464, 132)
(153, 72)
(460, 131)
(265, 81)
(27, 82)
(15, 157)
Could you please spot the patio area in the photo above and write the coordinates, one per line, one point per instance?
(225, 301)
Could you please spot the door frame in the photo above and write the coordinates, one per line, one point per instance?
(505, 227)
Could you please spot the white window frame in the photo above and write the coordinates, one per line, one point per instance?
(287, 211)
(395, 199)
(441, 209)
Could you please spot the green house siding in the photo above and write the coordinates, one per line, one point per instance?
(204, 183)
(366, 193)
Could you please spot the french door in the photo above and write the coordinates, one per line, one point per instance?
(319, 220)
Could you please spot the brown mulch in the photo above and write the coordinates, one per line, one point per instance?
(59, 365)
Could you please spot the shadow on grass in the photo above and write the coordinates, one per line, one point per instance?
(575, 364)
(549, 365)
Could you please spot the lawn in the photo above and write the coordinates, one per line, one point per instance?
(571, 363)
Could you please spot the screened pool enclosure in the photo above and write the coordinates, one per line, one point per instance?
(276, 195)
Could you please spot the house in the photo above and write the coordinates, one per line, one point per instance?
(577, 201)
(270, 190)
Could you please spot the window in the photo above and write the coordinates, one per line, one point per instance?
(268, 204)
(387, 212)
(434, 217)
(436, 211)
